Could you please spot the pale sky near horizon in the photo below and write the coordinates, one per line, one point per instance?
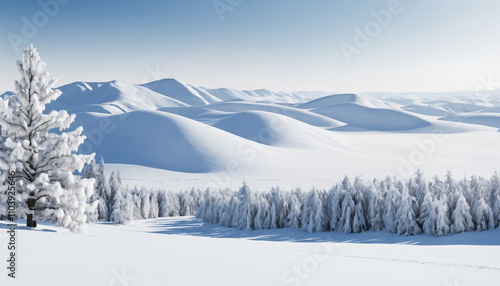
(281, 45)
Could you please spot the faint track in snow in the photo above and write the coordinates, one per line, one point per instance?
(448, 264)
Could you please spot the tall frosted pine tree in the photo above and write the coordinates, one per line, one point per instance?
(44, 161)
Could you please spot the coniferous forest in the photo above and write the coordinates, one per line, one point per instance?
(435, 207)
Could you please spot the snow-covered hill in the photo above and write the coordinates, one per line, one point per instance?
(109, 97)
(200, 136)
(182, 92)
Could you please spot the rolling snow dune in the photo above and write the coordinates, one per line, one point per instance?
(369, 154)
(190, 135)
(162, 140)
(461, 106)
(119, 95)
(260, 95)
(271, 96)
(372, 118)
(343, 98)
(486, 119)
(277, 130)
(305, 116)
(227, 94)
(428, 109)
(207, 96)
(201, 114)
(491, 109)
(181, 92)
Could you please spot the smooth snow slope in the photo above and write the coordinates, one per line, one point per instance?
(369, 118)
(277, 130)
(369, 154)
(166, 141)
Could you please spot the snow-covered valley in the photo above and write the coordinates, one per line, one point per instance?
(168, 134)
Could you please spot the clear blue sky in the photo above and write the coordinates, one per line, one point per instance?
(283, 45)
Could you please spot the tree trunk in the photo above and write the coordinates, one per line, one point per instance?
(29, 220)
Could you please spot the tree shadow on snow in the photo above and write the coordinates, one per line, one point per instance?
(21, 225)
(195, 227)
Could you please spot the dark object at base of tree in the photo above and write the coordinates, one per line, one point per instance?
(30, 222)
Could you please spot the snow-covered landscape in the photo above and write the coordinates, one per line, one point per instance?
(198, 137)
(249, 143)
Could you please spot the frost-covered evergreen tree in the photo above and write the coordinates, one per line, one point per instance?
(442, 220)
(260, 214)
(154, 205)
(44, 161)
(481, 211)
(461, 218)
(375, 208)
(187, 203)
(428, 215)
(359, 223)
(335, 198)
(313, 218)
(406, 219)
(120, 212)
(392, 200)
(163, 206)
(145, 203)
(103, 192)
(204, 210)
(452, 190)
(293, 218)
(137, 204)
(114, 188)
(229, 215)
(90, 172)
(174, 204)
(419, 188)
(494, 192)
(438, 189)
(273, 216)
(346, 218)
(277, 197)
(245, 213)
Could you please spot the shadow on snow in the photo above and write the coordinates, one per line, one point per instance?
(195, 227)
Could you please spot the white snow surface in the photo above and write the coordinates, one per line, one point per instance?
(186, 251)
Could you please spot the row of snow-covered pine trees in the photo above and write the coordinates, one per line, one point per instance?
(437, 207)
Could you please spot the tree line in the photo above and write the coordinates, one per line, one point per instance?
(435, 207)
(113, 202)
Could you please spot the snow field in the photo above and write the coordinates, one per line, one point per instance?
(185, 251)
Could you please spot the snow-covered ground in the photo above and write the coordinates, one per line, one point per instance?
(173, 136)
(185, 251)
